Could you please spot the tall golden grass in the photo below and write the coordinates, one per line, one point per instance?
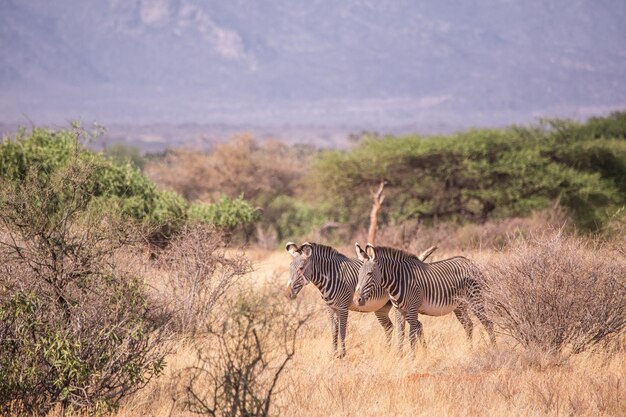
(451, 377)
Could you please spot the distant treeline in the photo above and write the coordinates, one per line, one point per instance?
(285, 191)
(472, 176)
(482, 174)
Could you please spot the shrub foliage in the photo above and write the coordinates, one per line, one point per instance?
(76, 330)
(268, 174)
(227, 213)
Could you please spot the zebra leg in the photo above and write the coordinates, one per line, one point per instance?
(334, 327)
(480, 313)
(478, 309)
(416, 331)
(383, 318)
(343, 323)
(400, 325)
(463, 317)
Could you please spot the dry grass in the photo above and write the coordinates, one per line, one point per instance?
(449, 378)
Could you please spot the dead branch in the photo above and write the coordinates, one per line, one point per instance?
(378, 197)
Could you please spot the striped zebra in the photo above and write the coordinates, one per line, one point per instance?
(415, 287)
(335, 276)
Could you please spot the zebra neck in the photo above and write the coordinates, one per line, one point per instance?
(394, 278)
(318, 279)
(328, 271)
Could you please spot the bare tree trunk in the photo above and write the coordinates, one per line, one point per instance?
(378, 201)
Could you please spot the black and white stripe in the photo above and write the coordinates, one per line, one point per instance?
(335, 276)
(415, 287)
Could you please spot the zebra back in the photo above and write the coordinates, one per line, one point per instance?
(439, 283)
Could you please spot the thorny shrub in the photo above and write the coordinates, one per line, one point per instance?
(249, 344)
(557, 292)
(198, 271)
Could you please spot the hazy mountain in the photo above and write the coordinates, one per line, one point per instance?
(362, 63)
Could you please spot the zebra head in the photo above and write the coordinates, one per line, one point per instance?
(300, 268)
(369, 274)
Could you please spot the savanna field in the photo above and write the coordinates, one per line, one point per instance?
(154, 285)
(450, 377)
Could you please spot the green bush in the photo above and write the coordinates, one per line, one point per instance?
(611, 126)
(46, 152)
(604, 156)
(76, 329)
(122, 154)
(227, 213)
(115, 183)
(169, 214)
(293, 218)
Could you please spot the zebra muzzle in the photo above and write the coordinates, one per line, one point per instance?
(358, 298)
(289, 293)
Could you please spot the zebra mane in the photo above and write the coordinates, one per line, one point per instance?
(387, 252)
(323, 250)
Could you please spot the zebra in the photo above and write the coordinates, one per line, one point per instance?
(335, 276)
(415, 287)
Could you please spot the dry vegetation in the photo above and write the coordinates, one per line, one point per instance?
(238, 348)
(86, 315)
(451, 377)
(240, 166)
(558, 293)
(490, 235)
(194, 273)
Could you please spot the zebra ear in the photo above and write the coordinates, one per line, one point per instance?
(360, 253)
(306, 249)
(369, 250)
(292, 248)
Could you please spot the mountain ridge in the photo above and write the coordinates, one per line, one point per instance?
(358, 62)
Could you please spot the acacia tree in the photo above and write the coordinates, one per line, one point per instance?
(476, 175)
